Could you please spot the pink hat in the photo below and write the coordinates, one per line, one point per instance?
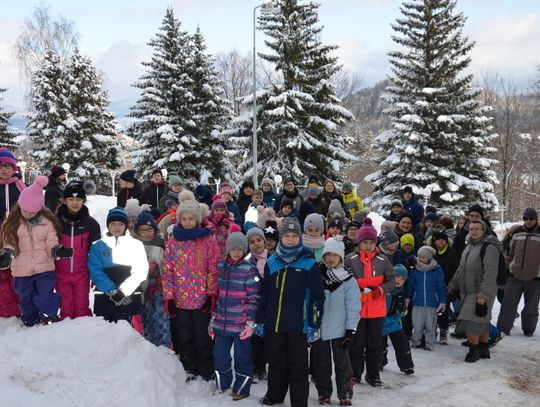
(367, 231)
(225, 188)
(31, 198)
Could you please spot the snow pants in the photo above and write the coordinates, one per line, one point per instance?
(243, 366)
(156, 324)
(38, 299)
(424, 320)
(367, 347)
(74, 289)
(258, 352)
(402, 349)
(531, 296)
(9, 302)
(323, 352)
(288, 367)
(189, 333)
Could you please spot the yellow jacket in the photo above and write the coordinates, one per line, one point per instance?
(352, 204)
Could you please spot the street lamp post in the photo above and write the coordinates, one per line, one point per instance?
(265, 7)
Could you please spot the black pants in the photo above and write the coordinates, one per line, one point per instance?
(367, 347)
(259, 352)
(322, 368)
(189, 333)
(288, 367)
(402, 349)
(443, 320)
(406, 322)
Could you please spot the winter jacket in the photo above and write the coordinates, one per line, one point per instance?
(243, 202)
(427, 288)
(291, 294)
(153, 194)
(476, 279)
(238, 297)
(269, 199)
(449, 261)
(460, 241)
(154, 254)
(169, 196)
(232, 208)
(10, 190)
(203, 194)
(382, 275)
(127, 193)
(53, 193)
(415, 209)
(37, 238)
(350, 246)
(117, 262)
(219, 225)
(327, 198)
(341, 308)
(78, 232)
(352, 204)
(189, 271)
(524, 254)
(294, 196)
(395, 304)
(318, 205)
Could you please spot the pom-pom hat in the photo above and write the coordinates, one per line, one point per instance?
(31, 198)
(367, 231)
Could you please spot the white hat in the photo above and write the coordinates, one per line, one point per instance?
(336, 246)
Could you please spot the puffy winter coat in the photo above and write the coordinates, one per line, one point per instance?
(127, 193)
(232, 208)
(238, 297)
(153, 194)
(415, 209)
(352, 204)
(427, 288)
(524, 255)
(37, 238)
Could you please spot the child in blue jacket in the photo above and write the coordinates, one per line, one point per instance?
(427, 291)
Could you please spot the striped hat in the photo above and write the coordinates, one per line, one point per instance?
(7, 157)
(117, 214)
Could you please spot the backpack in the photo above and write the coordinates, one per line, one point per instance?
(502, 271)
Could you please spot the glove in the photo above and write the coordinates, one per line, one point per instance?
(347, 339)
(61, 252)
(118, 297)
(481, 310)
(371, 294)
(209, 305)
(167, 307)
(313, 334)
(259, 330)
(411, 261)
(5, 258)
(248, 330)
(441, 308)
(376, 292)
(211, 333)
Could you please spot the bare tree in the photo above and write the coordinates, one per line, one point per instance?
(235, 71)
(346, 84)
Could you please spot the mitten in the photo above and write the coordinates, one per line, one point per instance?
(61, 252)
(481, 310)
(259, 330)
(209, 305)
(211, 333)
(411, 261)
(347, 339)
(118, 297)
(441, 308)
(313, 334)
(168, 308)
(247, 331)
(6, 257)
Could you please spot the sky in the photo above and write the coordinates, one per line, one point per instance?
(115, 33)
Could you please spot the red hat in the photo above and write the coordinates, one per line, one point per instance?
(367, 231)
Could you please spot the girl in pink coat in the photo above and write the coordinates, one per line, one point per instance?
(30, 245)
(190, 288)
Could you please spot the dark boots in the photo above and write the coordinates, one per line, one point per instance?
(473, 355)
(483, 350)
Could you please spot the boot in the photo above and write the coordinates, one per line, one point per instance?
(443, 337)
(483, 350)
(473, 354)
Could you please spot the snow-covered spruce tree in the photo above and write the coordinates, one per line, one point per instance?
(6, 135)
(298, 119)
(46, 122)
(439, 136)
(90, 143)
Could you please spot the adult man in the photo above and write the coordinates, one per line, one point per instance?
(411, 205)
(524, 264)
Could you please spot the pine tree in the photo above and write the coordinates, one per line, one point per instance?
(6, 135)
(439, 137)
(298, 119)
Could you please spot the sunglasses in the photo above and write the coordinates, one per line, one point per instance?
(526, 219)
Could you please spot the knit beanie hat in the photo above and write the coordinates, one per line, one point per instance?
(157, 171)
(236, 240)
(128, 176)
(267, 181)
(477, 208)
(388, 238)
(199, 210)
(431, 216)
(407, 238)
(439, 234)
(225, 188)
(530, 213)
(313, 179)
(117, 214)
(313, 190)
(396, 202)
(354, 224)
(367, 231)
(271, 230)
(255, 231)
(388, 225)
(401, 271)
(57, 171)
(185, 195)
(146, 218)
(347, 186)
(174, 179)
(31, 198)
(333, 245)
(335, 222)
(287, 202)
(408, 189)
(75, 189)
(133, 208)
(426, 251)
(218, 203)
(7, 157)
(290, 224)
(314, 220)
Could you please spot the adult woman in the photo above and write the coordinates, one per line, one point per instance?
(291, 193)
(329, 192)
(405, 225)
(476, 281)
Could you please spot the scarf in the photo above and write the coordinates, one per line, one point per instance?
(181, 234)
(443, 250)
(333, 278)
(289, 253)
(313, 242)
(425, 267)
(366, 259)
(260, 260)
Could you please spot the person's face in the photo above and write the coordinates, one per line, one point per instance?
(157, 178)
(125, 184)
(248, 191)
(345, 191)
(116, 228)
(332, 259)
(367, 245)
(314, 197)
(399, 281)
(266, 187)
(428, 223)
(177, 188)
(226, 196)
(461, 223)
(408, 248)
(312, 231)
(256, 244)
(329, 187)
(440, 243)
(424, 259)
(474, 216)
(74, 204)
(352, 233)
(6, 171)
(289, 186)
(530, 223)
(145, 233)
(407, 196)
(188, 220)
(62, 177)
(219, 211)
(396, 209)
(258, 199)
(271, 244)
(27, 215)
(405, 225)
(236, 254)
(334, 230)
(290, 239)
(131, 224)
(391, 248)
(476, 231)
(286, 210)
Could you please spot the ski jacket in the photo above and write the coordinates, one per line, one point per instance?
(427, 288)
(395, 304)
(352, 204)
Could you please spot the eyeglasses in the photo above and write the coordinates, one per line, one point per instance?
(526, 219)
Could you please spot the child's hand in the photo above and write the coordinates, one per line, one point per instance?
(441, 308)
(209, 305)
(247, 331)
(167, 308)
(211, 333)
(5, 258)
(347, 339)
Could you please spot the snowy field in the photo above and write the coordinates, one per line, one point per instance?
(89, 362)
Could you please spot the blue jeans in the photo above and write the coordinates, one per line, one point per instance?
(243, 365)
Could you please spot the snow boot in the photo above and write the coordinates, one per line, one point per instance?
(408, 371)
(324, 400)
(443, 337)
(268, 401)
(238, 396)
(528, 332)
(374, 381)
(483, 350)
(473, 355)
(345, 402)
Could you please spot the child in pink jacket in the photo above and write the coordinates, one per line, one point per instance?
(190, 288)
(30, 245)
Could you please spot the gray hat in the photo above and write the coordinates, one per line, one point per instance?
(174, 179)
(426, 251)
(530, 213)
(255, 231)
(389, 238)
(290, 224)
(313, 190)
(314, 220)
(335, 206)
(396, 202)
(236, 240)
(347, 186)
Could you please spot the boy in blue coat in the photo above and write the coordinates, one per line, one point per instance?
(427, 291)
